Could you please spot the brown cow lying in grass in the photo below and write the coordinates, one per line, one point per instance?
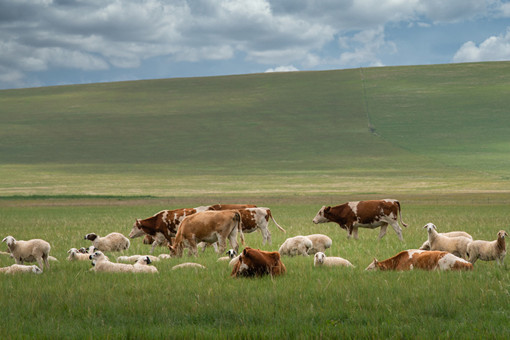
(255, 262)
(421, 259)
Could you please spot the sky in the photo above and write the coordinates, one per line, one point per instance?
(61, 42)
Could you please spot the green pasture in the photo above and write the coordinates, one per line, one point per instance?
(69, 301)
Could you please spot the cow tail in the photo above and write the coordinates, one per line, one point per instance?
(271, 215)
(240, 227)
(400, 213)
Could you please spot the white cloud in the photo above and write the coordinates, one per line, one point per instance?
(287, 68)
(492, 49)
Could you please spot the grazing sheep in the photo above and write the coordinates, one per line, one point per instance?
(102, 264)
(455, 245)
(20, 268)
(426, 245)
(320, 243)
(320, 259)
(488, 250)
(110, 242)
(29, 251)
(297, 245)
(75, 255)
(135, 258)
(142, 265)
(231, 253)
(188, 265)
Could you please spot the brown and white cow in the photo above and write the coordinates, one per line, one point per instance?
(363, 214)
(210, 227)
(256, 262)
(161, 227)
(421, 259)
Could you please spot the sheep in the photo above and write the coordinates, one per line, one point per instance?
(29, 251)
(135, 258)
(297, 245)
(455, 245)
(20, 268)
(189, 265)
(102, 264)
(142, 265)
(320, 259)
(5, 253)
(75, 255)
(231, 253)
(488, 250)
(320, 243)
(110, 242)
(426, 245)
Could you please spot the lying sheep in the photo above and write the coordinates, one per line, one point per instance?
(142, 265)
(102, 264)
(20, 268)
(231, 253)
(426, 245)
(75, 255)
(297, 245)
(455, 245)
(135, 258)
(488, 250)
(189, 265)
(110, 242)
(320, 243)
(29, 251)
(320, 259)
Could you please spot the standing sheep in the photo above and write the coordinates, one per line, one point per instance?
(320, 259)
(20, 268)
(297, 245)
(488, 250)
(320, 243)
(29, 251)
(110, 242)
(426, 245)
(455, 245)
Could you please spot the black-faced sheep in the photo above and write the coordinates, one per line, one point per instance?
(110, 242)
(488, 250)
(29, 251)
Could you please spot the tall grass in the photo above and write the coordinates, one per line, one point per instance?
(69, 301)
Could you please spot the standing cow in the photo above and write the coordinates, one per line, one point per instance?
(363, 214)
(210, 227)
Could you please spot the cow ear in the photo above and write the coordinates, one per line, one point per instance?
(327, 209)
(375, 261)
(245, 252)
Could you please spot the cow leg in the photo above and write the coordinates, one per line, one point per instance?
(355, 232)
(193, 250)
(383, 231)
(266, 235)
(222, 243)
(397, 229)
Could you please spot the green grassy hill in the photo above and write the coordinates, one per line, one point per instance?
(440, 127)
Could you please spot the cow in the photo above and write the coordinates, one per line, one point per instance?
(421, 259)
(363, 214)
(161, 227)
(256, 262)
(210, 227)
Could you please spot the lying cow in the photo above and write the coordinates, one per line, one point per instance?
(363, 214)
(255, 262)
(160, 227)
(421, 259)
(210, 227)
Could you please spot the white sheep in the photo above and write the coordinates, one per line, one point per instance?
(320, 243)
(75, 255)
(29, 251)
(488, 250)
(231, 253)
(189, 265)
(135, 258)
(102, 264)
(320, 259)
(297, 245)
(110, 242)
(142, 265)
(426, 245)
(21, 268)
(5, 253)
(455, 245)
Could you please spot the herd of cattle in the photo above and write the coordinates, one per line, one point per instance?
(214, 225)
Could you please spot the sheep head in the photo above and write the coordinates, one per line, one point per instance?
(502, 234)
(319, 257)
(11, 241)
(91, 237)
(430, 226)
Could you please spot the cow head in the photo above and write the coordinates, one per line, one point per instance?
(90, 237)
(137, 230)
(175, 249)
(321, 215)
(374, 265)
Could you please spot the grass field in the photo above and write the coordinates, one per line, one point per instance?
(92, 158)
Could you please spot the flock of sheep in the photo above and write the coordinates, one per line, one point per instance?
(458, 243)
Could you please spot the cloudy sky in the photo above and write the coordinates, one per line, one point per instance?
(59, 42)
